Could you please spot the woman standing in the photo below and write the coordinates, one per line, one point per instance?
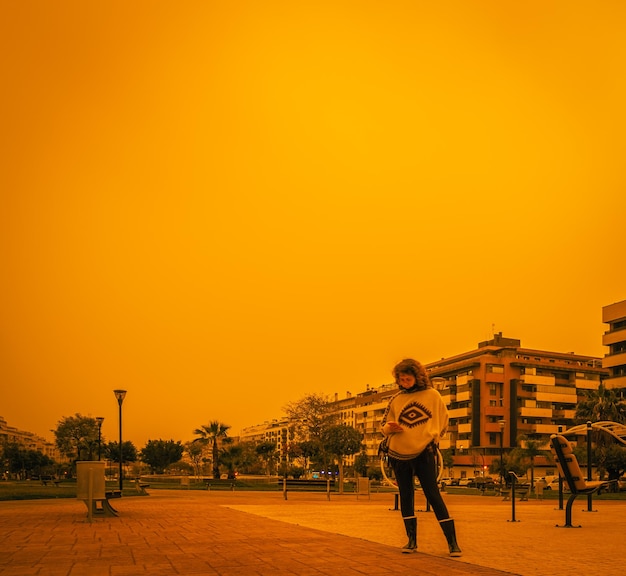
(415, 419)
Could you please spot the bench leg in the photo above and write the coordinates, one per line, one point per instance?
(568, 513)
(105, 509)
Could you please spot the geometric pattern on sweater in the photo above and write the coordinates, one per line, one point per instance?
(414, 414)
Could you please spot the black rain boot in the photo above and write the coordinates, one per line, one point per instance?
(410, 524)
(449, 532)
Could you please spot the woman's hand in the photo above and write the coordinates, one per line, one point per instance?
(394, 427)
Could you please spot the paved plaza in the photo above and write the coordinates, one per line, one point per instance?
(259, 533)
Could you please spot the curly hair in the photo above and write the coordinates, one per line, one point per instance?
(415, 369)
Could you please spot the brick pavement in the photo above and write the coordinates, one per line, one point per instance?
(256, 533)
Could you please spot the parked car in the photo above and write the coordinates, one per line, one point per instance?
(484, 483)
(554, 485)
(467, 482)
(448, 482)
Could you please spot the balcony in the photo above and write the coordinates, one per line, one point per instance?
(536, 412)
(586, 384)
(545, 428)
(460, 412)
(612, 337)
(613, 360)
(567, 414)
(557, 394)
(618, 382)
(464, 428)
(532, 379)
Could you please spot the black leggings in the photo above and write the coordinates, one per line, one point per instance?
(424, 467)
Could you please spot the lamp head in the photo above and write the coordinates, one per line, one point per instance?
(120, 395)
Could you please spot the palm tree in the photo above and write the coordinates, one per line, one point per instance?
(601, 404)
(268, 452)
(213, 434)
(531, 448)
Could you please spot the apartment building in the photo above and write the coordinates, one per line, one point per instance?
(277, 431)
(502, 391)
(615, 338)
(495, 394)
(27, 440)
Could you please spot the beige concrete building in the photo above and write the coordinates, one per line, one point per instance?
(495, 394)
(27, 440)
(615, 338)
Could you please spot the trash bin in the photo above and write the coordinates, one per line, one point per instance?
(83, 478)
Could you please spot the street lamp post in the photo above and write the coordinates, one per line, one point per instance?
(502, 423)
(99, 421)
(589, 475)
(120, 395)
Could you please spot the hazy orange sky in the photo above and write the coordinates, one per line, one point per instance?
(223, 206)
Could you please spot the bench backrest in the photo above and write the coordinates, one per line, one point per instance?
(567, 463)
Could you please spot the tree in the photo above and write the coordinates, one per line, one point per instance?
(195, 452)
(598, 405)
(267, 451)
(601, 404)
(159, 454)
(361, 464)
(213, 434)
(514, 461)
(237, 457)
(112, 452)
(530, 449)
(448, 459)
(339, 441)
(615, 463)
(25, 462)
(77, 436)
(310, 416)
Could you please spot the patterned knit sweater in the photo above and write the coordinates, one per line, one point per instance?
(424, 417)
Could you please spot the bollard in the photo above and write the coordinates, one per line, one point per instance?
(514, 480)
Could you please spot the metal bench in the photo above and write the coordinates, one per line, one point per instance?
(569, 469)
(312, 485)
(219, 484)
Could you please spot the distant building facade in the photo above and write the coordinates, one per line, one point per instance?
(276, 431)
(27, 440)
(495, 394)
(527, 392)
(615, 338)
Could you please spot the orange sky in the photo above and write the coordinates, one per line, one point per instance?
(223, 206)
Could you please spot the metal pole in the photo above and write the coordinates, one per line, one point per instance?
(121, 452)
(502, 424)
(513, 482)
(120, 394)
(560, 481)
(99, 420)
(589, 497)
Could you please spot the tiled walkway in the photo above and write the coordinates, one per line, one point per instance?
(257, 533)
